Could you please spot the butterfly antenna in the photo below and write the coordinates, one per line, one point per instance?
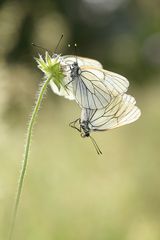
(38, 46)
(58, 43)
(95, 145)
(75, 48)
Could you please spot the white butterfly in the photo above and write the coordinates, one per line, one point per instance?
(120, 111)
(66, 89)
(87, 83)
(92, 86)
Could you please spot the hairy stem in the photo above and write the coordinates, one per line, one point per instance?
(26, 154)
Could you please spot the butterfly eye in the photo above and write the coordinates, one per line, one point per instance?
(75, 64)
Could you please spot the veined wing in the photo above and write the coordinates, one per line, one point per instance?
(82, 61)
(94, 88)
(119, 112)
(115, 83)
(89, 90)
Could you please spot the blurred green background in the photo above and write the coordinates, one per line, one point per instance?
(70, 193)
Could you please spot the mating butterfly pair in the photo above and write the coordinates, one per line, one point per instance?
(99, 93)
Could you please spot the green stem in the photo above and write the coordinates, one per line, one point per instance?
(26, 154)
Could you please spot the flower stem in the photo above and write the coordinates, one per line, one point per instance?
(26, 154)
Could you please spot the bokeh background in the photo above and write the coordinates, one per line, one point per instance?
(70, 192)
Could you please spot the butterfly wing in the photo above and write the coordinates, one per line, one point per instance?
(90, 91)
(67, 93)
(82, 61)
(119, 112)
(94, 88)
(65, 90)
(115, 83)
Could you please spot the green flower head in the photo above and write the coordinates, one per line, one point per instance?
(52, 68)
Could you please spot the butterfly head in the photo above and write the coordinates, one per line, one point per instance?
(75, 70)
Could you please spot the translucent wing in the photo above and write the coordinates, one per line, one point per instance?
(94, 88)
(89, 91)
(82, 61)
(115, 83)
(120, 111)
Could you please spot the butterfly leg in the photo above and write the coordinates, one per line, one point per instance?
(68, 83)
(73, 124)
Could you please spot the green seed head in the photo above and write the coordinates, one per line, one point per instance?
(52, 68)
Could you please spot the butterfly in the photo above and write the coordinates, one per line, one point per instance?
(92, 86)
(120, 111)
(55, 66)
(84, 79)
(66, 89)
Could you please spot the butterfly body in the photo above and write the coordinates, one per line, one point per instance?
(85, 130)
(75, 70)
